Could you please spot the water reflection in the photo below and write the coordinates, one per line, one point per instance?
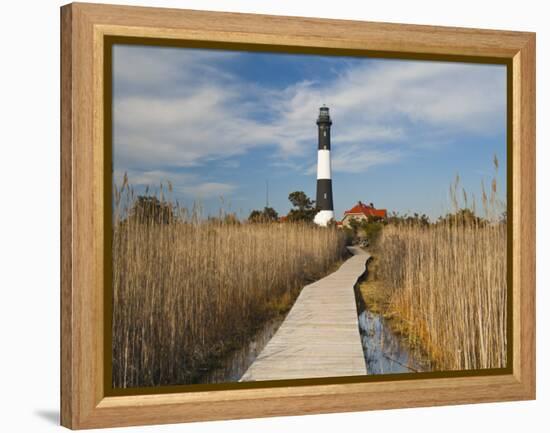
(385, 351)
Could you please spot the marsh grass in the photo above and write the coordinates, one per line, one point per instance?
(448, 285)
(186, 290)
(447, 282)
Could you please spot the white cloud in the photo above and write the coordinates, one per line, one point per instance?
(357, 160)
(208, 189)
(182, 108)
(391, 100)
(177, 107)
(152, 178)
(230, 163)
(187, 184)
(150, 66)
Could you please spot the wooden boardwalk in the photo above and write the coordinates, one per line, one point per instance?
(320, 335)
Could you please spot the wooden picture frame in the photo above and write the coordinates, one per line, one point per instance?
(84, 29)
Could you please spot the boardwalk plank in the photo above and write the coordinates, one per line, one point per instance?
(320, 335)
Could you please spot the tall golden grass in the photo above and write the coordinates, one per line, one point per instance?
(187, 290)
(448, 283)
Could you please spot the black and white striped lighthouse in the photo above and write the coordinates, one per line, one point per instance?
(324, 179)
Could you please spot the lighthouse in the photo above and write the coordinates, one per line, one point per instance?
(324, 179)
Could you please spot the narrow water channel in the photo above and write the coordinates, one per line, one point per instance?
(385, 351)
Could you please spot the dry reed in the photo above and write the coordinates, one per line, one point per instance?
(448, 283)
(187, 290)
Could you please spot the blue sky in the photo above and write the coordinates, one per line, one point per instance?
(222, 123)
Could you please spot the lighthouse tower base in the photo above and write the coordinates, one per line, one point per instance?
(323, 217)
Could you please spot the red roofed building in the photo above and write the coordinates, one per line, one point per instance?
(363, 212)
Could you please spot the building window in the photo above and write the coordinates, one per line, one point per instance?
(325, 133)
(325, 195)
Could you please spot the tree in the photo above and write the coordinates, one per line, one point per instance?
(268, 214)
(415, 219)
(300, 200)
(354, 225)
(372, 230)
(462, 217)
(255, 216)
(304, 207)
(231, 219)
(150, 210)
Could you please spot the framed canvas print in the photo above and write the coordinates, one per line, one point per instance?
(267, 216)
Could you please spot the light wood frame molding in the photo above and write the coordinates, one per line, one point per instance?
(83, 28)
